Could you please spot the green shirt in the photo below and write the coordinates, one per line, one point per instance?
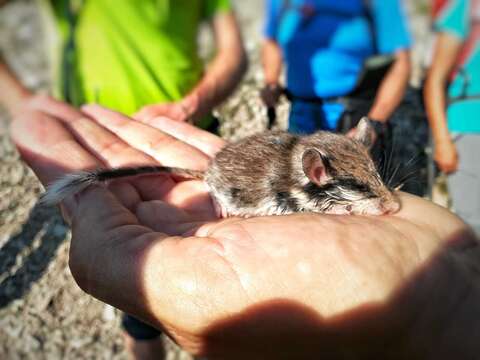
(125, 54)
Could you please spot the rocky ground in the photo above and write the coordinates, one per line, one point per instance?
(43, 314)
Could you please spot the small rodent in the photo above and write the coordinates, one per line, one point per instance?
(275, 173)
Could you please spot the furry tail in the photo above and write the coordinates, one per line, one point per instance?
(72, 184)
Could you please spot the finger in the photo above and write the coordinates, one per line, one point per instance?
(99, 141)
(203, 140)
(48, 147)
(107, 146)
(168, 219)
(107, 251)
(150, 111)
(89, 217)
(52, 151)
(190, 196)
(126, 194)
(161, 146)
(194, 198)
(55, 108)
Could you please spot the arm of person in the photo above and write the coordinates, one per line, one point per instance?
(272, 64)
(392, 87)
(224, 72)
(12, 90)
(307, 285)
(220, 79)
(447, 48)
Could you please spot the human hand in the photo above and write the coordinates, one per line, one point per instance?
(446, 157)
(270, 94)
(173, 111)
(23, 101)
(183, 110)
(274, 287)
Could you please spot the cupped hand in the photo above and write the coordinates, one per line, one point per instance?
(297, 286)
(446, 156)
(270, 94)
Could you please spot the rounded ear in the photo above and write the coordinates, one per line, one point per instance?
(314, 167)
(364, 132)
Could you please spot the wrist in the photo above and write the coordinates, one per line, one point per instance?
(15, 100)
(272, 85)
(380, 127)
(377, 118)
(442, 139)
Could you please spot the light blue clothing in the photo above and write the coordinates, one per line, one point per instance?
(325, 43)
(325, 51)
(456, 18)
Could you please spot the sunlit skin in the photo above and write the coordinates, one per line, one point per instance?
(267, 287)
(447, 49)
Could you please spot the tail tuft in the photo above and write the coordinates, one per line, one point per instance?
(67, 186)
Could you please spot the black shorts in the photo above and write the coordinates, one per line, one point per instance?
(138, 329)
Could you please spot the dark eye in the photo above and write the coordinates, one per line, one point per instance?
(349, 208)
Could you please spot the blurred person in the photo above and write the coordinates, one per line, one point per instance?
(325, 45)
(303, 286)
(345, 60)
(139, 58)
(452, 99)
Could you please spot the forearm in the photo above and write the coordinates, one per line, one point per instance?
(435, 104)
(447, 48)
(271, 62)
(392, 88)
(223, 73)
(13, 92)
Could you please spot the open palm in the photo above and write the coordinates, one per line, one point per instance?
(266, 287)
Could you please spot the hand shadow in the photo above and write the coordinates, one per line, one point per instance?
(435, 315)
(45, 226)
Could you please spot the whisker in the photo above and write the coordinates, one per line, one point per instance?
(408, 178)
(392, 176)
(390, 155)
(381, 165)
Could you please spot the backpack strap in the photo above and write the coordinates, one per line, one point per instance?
(468, 48)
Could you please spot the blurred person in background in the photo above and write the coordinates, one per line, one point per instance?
(345, 60)
(139, 58)
(452, 99)
(325, 45)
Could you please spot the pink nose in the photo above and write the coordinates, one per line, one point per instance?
(390, 207)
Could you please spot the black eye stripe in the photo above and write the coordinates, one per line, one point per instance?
(355, 185)
(334, 191)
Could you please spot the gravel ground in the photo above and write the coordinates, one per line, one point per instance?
(43, 314)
